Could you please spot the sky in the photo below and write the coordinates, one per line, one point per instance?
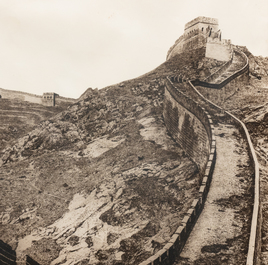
(67, 46)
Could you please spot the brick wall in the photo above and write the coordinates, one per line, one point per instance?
(7, 255)
(188, 124)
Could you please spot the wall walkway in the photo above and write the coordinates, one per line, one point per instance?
(183, 105)
(175, 245)
(255, 232)
(215, 224)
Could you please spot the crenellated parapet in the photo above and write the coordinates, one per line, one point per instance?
(202, 20)
(205, 25)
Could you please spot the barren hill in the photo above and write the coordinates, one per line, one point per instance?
(103, 182)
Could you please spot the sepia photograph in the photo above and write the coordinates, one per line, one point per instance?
(133, 132)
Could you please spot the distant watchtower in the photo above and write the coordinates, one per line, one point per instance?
(48, 99)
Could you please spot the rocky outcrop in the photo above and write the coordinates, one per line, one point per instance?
(103, 112)
(258, 65)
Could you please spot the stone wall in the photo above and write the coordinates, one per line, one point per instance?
(219, 50)
(48, 99)
(17, 95)
(219, 93)
(176, 48)
(7, 255)
(187, 124)
(194, 42)
(167, 255)
(60, 100)
(202, 31)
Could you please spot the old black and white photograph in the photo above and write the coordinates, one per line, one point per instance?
(133, 132)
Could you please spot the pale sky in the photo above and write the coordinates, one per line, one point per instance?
(66, 46)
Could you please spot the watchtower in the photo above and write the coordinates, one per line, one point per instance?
(48, 98)
(201, 24)
(203, 32)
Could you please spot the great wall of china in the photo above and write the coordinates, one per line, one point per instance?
(190, 114)
(47, 99)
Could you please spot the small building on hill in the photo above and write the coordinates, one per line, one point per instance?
(48, 98)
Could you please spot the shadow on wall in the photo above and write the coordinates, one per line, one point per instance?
(30, 261)
(188, 125)
(7, 254)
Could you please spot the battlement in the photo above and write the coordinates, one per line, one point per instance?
(205, 25)
(205, 20)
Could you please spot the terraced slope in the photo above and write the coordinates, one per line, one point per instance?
(17, 118)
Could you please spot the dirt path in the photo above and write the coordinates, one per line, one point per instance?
(217, 223)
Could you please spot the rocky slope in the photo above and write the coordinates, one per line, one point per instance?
(21, 117)
(258, 65)
(101, 182)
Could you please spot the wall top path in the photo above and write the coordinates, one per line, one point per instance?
(251, 256)
(174, 246)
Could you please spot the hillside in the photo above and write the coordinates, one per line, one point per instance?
(101, 182)
(20, 117)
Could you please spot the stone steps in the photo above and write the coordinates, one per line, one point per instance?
(236, 65)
